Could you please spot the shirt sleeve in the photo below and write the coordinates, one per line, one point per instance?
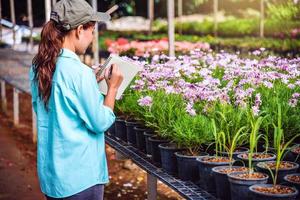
(88, 103)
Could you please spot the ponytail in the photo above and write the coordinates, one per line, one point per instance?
(44, 62)
(52, 37)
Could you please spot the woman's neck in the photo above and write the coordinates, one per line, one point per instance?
(68, 44)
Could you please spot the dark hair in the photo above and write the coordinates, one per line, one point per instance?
(52, 37)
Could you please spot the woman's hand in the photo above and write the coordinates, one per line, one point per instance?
(98, 73)
(113, 77)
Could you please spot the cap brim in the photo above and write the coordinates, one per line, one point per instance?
(100, 17)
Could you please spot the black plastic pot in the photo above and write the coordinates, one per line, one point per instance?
(281, 172)
(148, 133)
(296, 157)
(292, 183)
(239, 187)
(206, 177)
(168, 158)
(287, 155)
(155, 151)
(222, 183)
(131, 138)
(112, 130)
(120, 131)
(256, 195)
(255, 161)
(140, 138)
(188, 166)
(235, 153)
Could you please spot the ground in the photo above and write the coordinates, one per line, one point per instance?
(18, 178)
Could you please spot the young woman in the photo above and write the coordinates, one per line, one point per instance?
(71, 112)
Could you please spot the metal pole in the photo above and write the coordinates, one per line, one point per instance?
(171, 28)
(34, 129)
(150, 14)
(151, 187)
(53, 2)
(95, 45)
(3, 97)
(16, 106)
(47, 10)
(216, 2)
(0, 20)
(30, 20)
(180, 15)
(179, 8)
(13, 20)
(262, 18)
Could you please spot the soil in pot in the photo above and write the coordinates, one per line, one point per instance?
(285, 168)
(271, 192)
(221, 179)
(148, 133)
(155, 151)
(240, 182)
(205, 165)
(237, 151)
(294, 181)
(168, 158)
(120, 131)
(188, 166)
(130, 124)
(256, 157)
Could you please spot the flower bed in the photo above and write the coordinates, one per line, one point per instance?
(179, 96)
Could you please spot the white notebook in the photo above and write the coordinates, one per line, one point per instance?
(127, 68)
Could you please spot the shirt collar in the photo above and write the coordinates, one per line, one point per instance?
(68, 54)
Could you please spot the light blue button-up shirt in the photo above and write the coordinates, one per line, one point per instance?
(71, 147)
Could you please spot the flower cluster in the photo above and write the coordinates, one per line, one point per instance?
(205, 77)
(147, 48)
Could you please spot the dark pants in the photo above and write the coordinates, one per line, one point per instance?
(93, 193)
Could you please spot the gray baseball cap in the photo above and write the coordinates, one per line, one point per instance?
(72, 13)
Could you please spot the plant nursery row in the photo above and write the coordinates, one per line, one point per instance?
(224, 122)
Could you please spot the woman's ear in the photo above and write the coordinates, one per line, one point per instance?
(79, 31)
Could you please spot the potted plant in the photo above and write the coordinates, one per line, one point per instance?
(294, 181)
(226, 144)
(240, 181)
(277, 169)
(191, 132)
(207, 163)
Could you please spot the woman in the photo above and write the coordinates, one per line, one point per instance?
(71, 113)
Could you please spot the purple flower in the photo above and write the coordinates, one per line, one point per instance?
(189, 109)
(145, 101)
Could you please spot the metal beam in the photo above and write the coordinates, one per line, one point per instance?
(150, 14)
(0, 20)
(151, 187)
(3, 97)
(171, 28)
(53, 2)
(216, 5)
(47, 10)
(16, 106)
(96, 35)
(30, 21)
(262, 18)
(13, 20)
